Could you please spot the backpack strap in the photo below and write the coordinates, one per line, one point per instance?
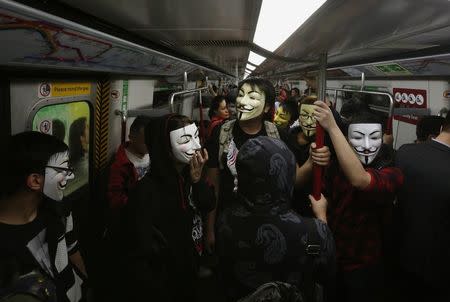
(225, 136)
(311, 289)
(271, 130)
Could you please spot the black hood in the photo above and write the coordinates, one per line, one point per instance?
(266, 173)
(384, 158)
(159, 148)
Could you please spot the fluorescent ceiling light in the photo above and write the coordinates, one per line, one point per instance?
(255, 58)
(250, 67)
(279, 19)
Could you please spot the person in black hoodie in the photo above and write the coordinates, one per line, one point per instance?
(260, 238)
(163, 222)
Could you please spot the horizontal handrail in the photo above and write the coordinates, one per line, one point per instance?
(154, 112)
(184, 92)
(391, 98)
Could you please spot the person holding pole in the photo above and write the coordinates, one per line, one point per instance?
(361, 194)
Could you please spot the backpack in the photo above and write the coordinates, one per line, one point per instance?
(274, 292)
(309, 291)
(31, 287)
(226, 136)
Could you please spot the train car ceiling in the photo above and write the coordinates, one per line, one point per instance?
(355, 32)
(426, 66)
(35, 38)
(205, 30)
(222, 37)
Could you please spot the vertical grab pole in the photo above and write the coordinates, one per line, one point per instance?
(391, 116)
(322, 83)
(202, 124)
(124, 108)
(185, 81)
(363, 81)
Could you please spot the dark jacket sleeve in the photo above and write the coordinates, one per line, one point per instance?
(203, 196)
(146, 247)
(212, 145)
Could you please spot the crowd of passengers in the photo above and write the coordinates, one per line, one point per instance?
(240, 193)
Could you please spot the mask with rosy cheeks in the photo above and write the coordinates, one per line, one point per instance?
(307, 119)
(250, 102)
(184, 142)
(57, 173)
(366, 140)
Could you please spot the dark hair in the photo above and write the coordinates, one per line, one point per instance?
(215, 104)
(177, 121)
(307, 100)
(265, 85)
(290, 105)
(296, 90)
(139, 122)
(76, 131)
(446, 124)
(58, 129)
(26, 153)
(429, 125)
(354, 106)
(171, 122)
(366, 117)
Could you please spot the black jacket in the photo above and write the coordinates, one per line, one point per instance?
(260, 238)
(163, 242)
(423, 211)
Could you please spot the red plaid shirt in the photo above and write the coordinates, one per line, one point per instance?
(356, 217)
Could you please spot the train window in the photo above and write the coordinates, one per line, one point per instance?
(379, 104)
(70, 123)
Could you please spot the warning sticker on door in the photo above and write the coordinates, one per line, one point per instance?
(63, 89)
(45, 127)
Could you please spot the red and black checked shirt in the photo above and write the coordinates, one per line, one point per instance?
(356, 217)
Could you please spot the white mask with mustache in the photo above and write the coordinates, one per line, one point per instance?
(185, 142)
(250, 102)
(57, 174)
(366, 140)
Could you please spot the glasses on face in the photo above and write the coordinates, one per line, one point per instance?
(65, 171)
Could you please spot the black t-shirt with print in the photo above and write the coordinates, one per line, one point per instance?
(45, 245)
(226, 195)
(14, 253)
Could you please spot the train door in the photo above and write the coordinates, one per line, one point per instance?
(62, 109)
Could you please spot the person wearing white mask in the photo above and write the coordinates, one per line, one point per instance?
(163, 225)
(254, 104)
(38, 238)
(361, 196)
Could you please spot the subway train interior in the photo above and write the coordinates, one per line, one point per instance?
(96, 65)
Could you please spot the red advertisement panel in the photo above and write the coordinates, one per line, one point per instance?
(409, 98)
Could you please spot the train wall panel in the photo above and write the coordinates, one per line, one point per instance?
(140, 95)
(403, 132)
